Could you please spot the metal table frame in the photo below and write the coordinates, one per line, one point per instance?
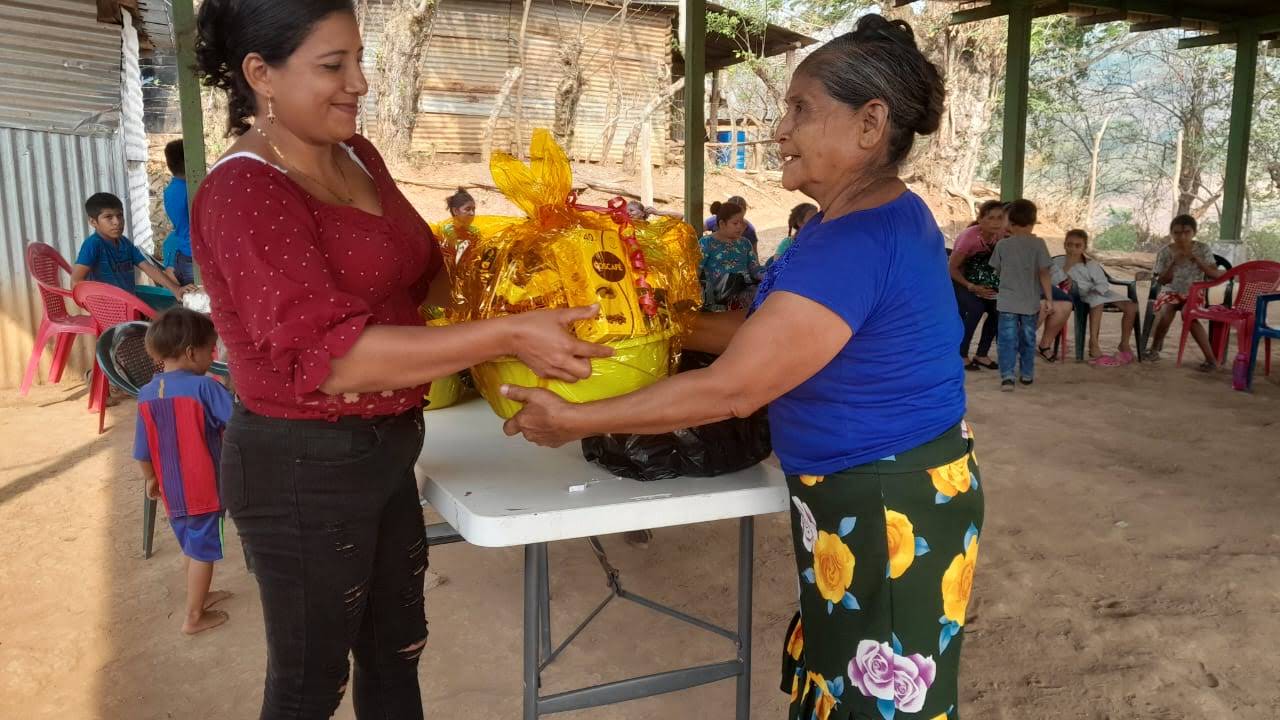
(538, 653)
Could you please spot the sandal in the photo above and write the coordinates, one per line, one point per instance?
(1106, 361)
(989, 365)
(972, 366)
(1046, 354)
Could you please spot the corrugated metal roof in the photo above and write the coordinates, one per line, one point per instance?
(59, 67)
(44, 181)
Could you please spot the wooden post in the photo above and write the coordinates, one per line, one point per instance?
(646, 163)
(1242, 89)
(184, 31)
(1017, 70)
(694, 24)
(713, 115)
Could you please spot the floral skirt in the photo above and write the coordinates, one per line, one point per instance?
(886, 553)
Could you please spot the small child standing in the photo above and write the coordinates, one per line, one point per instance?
(178, 443)
(177, 247)
(1022, 260)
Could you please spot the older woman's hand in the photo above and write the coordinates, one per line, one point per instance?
(544, 419)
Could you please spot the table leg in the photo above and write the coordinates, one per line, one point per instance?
(531, 615)
(544, 603)
(746, 552)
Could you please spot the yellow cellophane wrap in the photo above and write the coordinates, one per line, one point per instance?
(561, 255)
(447, 390)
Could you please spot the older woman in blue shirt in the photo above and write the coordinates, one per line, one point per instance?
(851, 343)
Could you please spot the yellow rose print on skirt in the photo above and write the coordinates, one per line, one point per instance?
(952, 479)
(904, 546)
(832, 570)
(957, 585)
(811, 480)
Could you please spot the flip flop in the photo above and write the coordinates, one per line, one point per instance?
(1125, 357)
(990, 364)
(1046, 354)
(1106, 361)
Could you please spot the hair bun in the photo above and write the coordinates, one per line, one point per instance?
(875, 26)
(715, 207)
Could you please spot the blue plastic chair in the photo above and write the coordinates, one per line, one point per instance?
(122, 356)
(1262, 332)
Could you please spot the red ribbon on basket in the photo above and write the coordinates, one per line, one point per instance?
(617, 211)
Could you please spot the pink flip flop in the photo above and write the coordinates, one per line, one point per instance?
(1106, 361)
(1125, 357)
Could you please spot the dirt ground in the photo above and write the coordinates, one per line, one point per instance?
(1130, 569)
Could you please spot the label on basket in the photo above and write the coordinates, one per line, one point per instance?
(593, 268)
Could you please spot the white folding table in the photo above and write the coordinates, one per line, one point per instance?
(501, 492)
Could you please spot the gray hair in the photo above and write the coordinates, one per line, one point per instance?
(879, 59)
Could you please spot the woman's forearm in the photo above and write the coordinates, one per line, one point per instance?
(690, 399)
(392, 357)
(955, 266)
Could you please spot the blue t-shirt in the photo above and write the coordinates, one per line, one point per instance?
(111, 262)
(897, 383)
(175, 206)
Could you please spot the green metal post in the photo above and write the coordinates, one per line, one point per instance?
(1232, 227)
(695, 63)
(184, 31)
(1017, 69)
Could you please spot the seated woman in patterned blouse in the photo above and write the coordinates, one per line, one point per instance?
(729, 271)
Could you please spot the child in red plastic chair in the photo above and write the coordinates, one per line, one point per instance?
(178, 444)
(1179, 264)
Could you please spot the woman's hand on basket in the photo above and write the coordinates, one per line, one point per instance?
(543, 341)
(544, 419)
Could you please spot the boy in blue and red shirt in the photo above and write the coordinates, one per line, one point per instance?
(178, 442)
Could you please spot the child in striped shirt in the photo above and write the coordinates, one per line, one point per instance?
(178, 443)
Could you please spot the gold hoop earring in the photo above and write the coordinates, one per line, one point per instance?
(271, 111)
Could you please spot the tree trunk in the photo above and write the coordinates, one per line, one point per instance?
(486, 141)
(615, 89)
(404, 44)
(1093, 172)
(629, 150)
(972, 59)
(568, 94)
(517, 136)
(1177, 172)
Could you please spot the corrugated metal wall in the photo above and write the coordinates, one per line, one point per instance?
(44, 181)
(59, 67)
(474, 42)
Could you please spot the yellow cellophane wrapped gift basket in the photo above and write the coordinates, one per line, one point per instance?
(644, 276)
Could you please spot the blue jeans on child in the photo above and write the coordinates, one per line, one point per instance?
(1016, 339)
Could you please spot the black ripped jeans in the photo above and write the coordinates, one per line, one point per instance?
(329, 514)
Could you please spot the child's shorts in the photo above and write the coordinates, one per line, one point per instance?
(200, 536)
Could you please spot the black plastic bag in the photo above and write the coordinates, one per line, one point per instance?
(706, 451)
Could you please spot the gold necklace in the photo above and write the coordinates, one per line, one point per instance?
(345, 199)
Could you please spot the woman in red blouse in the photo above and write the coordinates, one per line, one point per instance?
(316, 264)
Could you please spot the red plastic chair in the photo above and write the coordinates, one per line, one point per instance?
(1252, 279)
(109, 306)
(43, 264)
